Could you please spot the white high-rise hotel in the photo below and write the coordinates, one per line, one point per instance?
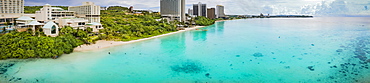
(173, 9)
(88, 11)
(11, 9)
(220, 11)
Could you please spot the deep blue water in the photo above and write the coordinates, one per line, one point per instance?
(319, 50)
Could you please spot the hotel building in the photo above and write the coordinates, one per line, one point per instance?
(48, 13)
(211, 13)
(200, 9)
(10, 10)
(88, 11)
(173, 9)
(190, 12)
(220, 11)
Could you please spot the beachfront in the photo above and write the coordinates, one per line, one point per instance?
(105, 44)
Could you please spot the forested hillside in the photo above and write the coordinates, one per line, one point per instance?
(33, 9)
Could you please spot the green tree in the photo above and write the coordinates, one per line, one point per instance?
(4, 30)
(67, 30)
(33, 9)
(204, 21)
(130, 27)
(7, 23)
(23, 45)
(118, 8)
(89, 30)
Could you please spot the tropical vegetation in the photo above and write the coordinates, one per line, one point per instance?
(119, 25)
(26, 45)
(204, 21)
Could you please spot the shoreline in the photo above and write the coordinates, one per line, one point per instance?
(220, 20)
(101, 44)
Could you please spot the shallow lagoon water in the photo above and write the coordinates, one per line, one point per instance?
(250, 50)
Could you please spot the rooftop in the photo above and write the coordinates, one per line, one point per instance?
(24, 18)
(94, 23)
(50, 24)
(34, 23)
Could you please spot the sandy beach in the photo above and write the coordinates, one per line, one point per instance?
(105, 44)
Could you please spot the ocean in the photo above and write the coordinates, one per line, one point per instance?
(268, 50)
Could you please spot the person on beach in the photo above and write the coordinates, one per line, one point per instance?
(55, 57)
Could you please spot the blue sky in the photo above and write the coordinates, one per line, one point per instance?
(309, 7)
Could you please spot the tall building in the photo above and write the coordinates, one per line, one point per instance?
(190, 12)
(10, 10)
(173, 9)
(211, 13)
(88, 11)
(220, 11)
(183, 17)
(48, 13)
(200, 9)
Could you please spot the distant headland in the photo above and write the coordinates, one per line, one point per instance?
(284, 16)
(271, 16)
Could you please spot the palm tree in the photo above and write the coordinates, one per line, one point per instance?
(191, 21)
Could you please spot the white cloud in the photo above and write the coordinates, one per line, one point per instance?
(337, 8)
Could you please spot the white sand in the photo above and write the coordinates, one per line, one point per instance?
(105, 44)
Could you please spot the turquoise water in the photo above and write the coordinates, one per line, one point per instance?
(324, 50)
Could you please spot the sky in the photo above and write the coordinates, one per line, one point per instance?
(242, 7)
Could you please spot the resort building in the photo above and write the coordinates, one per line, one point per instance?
(142, 11)
(211, 13)
(76, 23)
(173, 10)
(10, 10)
(200, 9)
(22, 21)
(88, 11)
(51, 29)
(103, 8)
(190, 12)
(34, 25)
(220, 11)
(48, 13)
(33, 16)
(95, 26)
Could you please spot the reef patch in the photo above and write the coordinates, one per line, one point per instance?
(258, 54)
(189, 66)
